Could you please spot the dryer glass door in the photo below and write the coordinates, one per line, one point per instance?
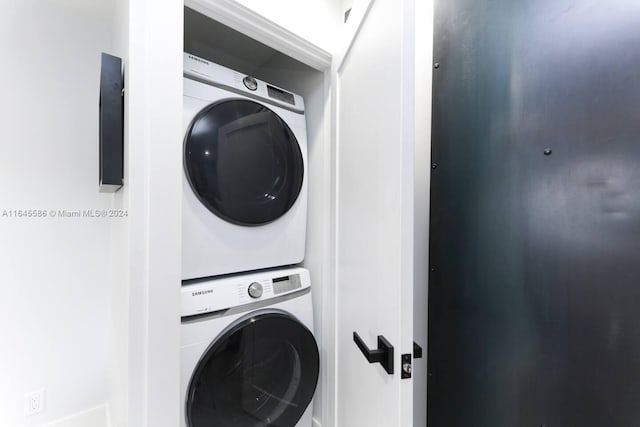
(262, 372)
(243, 162)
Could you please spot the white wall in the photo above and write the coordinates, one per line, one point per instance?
(54, 319)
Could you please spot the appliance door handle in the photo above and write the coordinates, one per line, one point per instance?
(382, 355)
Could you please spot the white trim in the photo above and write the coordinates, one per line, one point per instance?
(328, 315)
(256, 26)
(407, 227)
(422, 172)
(331, 402)
(154, 121)
(107, 408)
(87, 417)
(331, 299)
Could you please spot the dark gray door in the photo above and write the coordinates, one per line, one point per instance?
(534, 294)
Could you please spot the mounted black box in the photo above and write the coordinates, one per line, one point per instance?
(111, 108)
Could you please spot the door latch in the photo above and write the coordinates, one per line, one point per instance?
(406, 366)
(407, 361)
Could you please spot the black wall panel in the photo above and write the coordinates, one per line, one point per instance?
(534, 294)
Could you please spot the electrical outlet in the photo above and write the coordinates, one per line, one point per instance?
(34, 402)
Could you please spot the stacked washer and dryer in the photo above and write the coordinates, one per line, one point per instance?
(249, 356)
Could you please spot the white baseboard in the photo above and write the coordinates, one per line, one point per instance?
(94, 417)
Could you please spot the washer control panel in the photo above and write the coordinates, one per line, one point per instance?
(207, 296)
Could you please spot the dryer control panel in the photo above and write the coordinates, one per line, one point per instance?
(227, 292)
(217, 75)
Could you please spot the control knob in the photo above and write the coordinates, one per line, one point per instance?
(250, 83)
(255, 290)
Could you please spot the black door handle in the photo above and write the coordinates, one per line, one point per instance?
(382, 355)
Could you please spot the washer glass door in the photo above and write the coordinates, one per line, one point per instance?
(262, 372)
(243, 162)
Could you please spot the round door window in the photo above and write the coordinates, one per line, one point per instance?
(243, 162)
(262, 372)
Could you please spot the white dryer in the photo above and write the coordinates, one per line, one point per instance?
(249, 357)
(244, 183)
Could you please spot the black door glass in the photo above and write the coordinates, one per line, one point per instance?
(243, 162)
(262, 372)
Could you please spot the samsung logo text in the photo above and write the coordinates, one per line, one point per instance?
(204, 292)
(195, 58)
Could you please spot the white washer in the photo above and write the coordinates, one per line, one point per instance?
(248, 356)
(244, 184)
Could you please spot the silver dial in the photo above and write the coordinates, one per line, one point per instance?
(250, 83)
(255, 290)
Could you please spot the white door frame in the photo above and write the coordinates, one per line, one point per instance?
(150, 306)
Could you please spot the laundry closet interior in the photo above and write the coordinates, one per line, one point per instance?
(254, 156)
